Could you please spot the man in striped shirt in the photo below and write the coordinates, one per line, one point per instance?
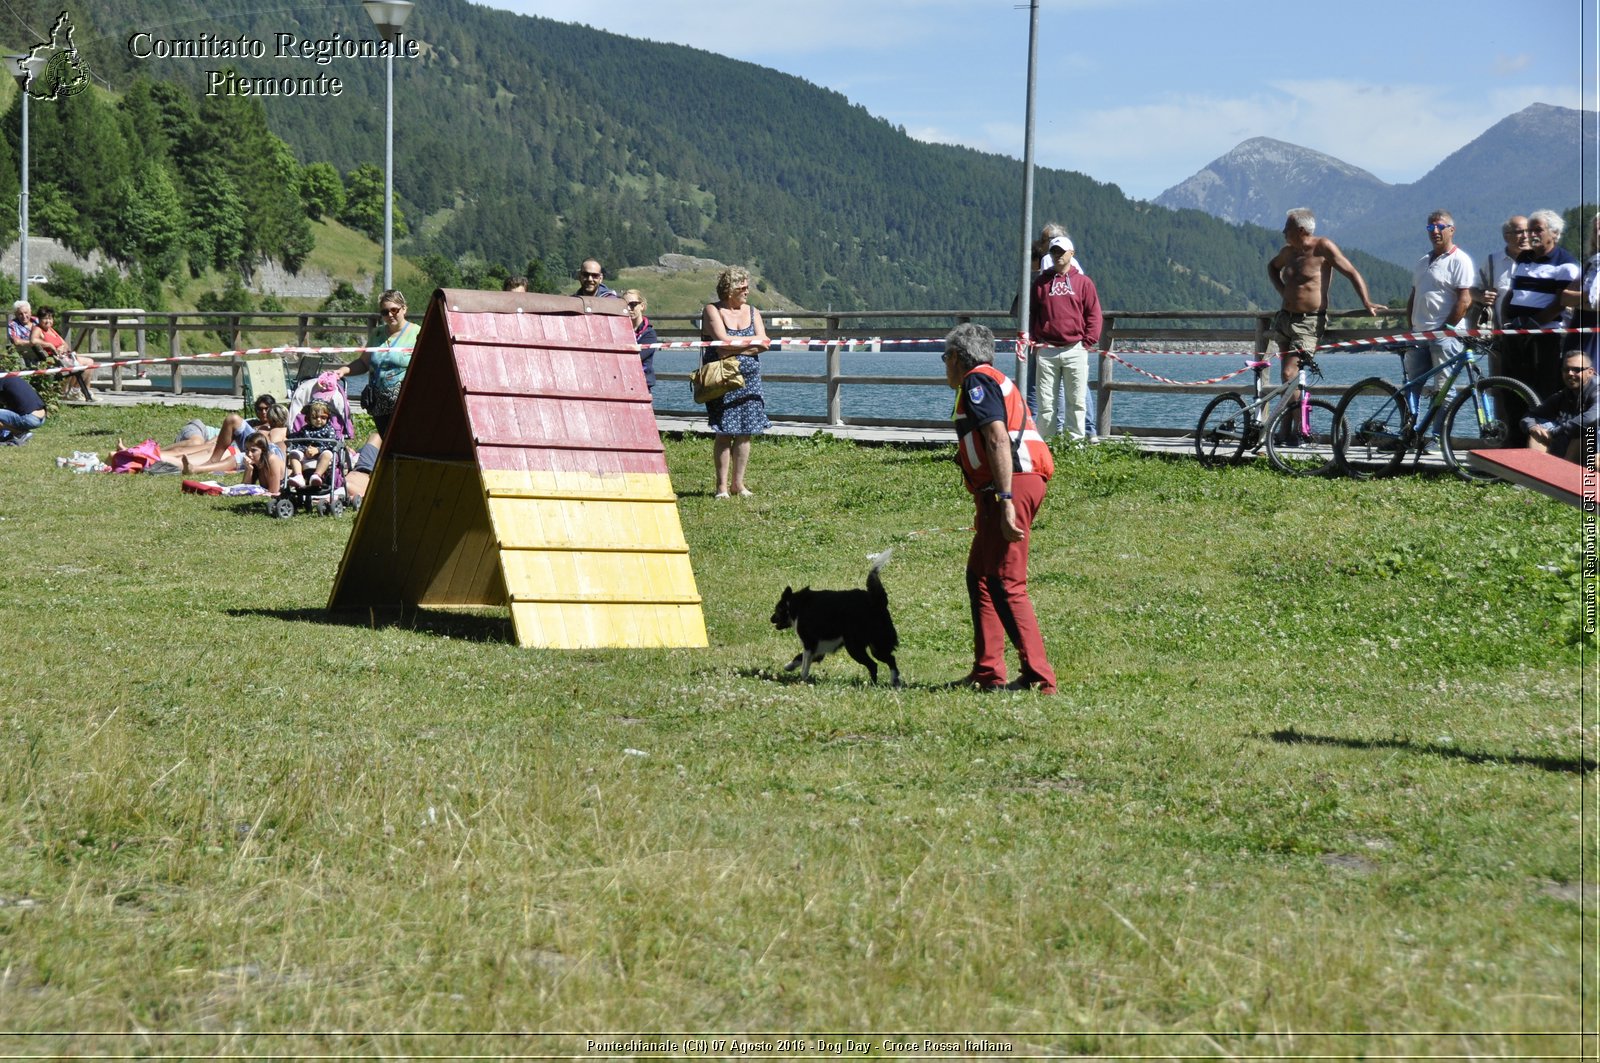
(1542, 273)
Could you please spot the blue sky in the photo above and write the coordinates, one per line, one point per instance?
(1143, 93)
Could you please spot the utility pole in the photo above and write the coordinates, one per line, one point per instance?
(1023, 294)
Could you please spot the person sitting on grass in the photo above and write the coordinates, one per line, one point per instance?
(314, 443)
(1564, 424)
(227, 455)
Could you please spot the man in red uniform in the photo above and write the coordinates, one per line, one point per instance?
(1006, 466)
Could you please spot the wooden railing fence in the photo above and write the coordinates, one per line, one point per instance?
(111, 334)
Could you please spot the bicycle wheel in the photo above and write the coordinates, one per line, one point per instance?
(1373, 429)
(1293, 450)
(1224, 430)
(1485, 416)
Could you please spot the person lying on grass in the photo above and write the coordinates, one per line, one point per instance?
(263, 463)
(226, 455)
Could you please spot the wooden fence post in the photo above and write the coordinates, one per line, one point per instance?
(835, 416)
(1101, 392)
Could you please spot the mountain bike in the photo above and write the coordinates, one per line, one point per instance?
(1298, 435)
(1379, 423)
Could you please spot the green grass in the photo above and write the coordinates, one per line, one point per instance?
(1312, 783)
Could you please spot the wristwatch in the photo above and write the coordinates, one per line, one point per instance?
(1003, 496)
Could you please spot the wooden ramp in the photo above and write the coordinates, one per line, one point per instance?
(1549, 475)
(523, 468)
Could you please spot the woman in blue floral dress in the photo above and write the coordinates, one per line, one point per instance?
(732, 326)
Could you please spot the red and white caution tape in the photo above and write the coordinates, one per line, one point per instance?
(63, 370)
(1181, 383)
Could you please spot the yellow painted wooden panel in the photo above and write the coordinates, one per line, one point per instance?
(568, 626)
(635, 486)
(592, 576)
(587, 524)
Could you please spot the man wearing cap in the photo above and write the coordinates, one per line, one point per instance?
(1065, 317)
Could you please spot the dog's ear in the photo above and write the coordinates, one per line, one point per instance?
(788, 592)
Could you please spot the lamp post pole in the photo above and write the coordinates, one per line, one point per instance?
(389, 16)
(23, 68)
(1025, 293)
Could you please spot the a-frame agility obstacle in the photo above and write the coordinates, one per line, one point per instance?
(523, 468)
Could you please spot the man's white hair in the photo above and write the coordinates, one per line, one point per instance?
(1551, 220)
(1304, 220)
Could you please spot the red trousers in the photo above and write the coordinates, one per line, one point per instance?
(997, 588)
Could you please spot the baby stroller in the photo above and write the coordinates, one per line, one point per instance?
(325, 496)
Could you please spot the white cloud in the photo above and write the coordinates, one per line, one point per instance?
(1506, 65)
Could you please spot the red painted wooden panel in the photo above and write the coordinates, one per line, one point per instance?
(512, 419)
(582, 375)
(560, 459)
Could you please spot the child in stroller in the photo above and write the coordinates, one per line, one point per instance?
(314, 445)
(319, 423)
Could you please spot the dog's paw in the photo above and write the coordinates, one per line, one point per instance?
(792, 665)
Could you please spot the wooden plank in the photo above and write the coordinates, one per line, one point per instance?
(1551, 476)
(598, 577)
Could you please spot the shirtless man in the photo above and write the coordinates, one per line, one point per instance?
(1302, 272)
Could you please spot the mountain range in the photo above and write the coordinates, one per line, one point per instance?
(1542, 156)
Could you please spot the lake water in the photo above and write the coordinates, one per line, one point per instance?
(867, 401)
(923, 402)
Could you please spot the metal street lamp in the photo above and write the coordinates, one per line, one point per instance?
(24, 68)
(1024, 308)
(389, 16)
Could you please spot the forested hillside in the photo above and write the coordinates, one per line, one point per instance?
(522, 139)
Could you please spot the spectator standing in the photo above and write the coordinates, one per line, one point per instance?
(386, 363)
(1494, 283)
(1494, 277)
(732, 325)
(1301, 271)
(1441, 294)
(1006, 466)
(1564, 424)
(1065, 316)
(1044, 260)
(1544, 270)
(1584, 300)
(591, 281)
(644, 334)
(21, 410)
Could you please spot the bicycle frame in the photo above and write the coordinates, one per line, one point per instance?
(1412, 387)
(1260, 408)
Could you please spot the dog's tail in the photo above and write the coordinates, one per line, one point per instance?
(874, 583)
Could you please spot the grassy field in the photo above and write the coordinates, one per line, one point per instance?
(1314, 784)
